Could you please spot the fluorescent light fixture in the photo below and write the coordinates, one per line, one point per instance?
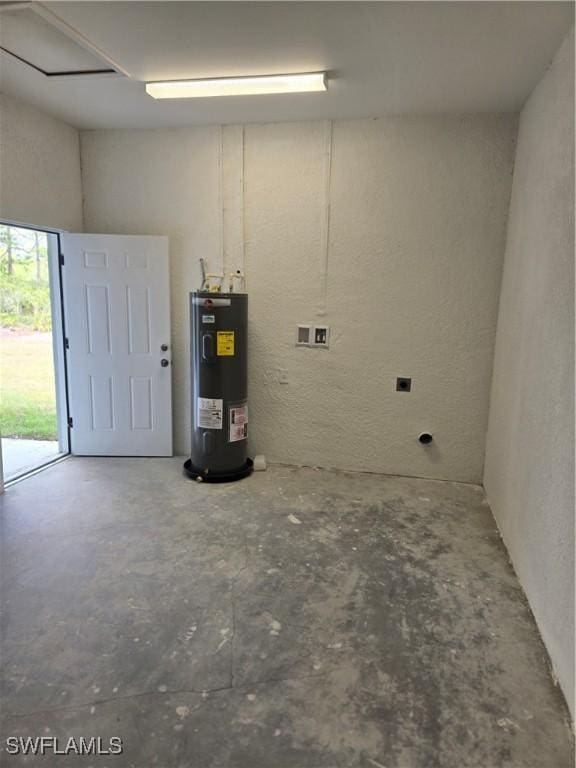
(237, 86)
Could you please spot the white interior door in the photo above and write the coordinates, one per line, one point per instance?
(117, 322)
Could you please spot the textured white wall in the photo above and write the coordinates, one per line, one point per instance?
(529, 474)
(40, 180)
(390, 230)
(418, 211)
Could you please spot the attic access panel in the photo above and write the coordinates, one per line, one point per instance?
(33, 40)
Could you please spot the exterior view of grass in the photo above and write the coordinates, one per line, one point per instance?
(27, 392)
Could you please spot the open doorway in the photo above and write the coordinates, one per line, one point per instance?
(33, 418)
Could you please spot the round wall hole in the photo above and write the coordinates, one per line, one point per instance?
(425, 438)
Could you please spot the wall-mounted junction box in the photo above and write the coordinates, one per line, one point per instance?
(403, 384)
(313, 336)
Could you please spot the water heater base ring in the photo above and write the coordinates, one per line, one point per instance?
(195, 473)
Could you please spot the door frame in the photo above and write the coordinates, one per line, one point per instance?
(58, 343)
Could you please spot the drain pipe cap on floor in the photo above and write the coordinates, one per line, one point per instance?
(259, 463)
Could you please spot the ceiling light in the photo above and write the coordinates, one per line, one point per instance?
(237, 86)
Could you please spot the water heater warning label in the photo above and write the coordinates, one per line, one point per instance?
(225, 343)
(238, 422)
(209, 413)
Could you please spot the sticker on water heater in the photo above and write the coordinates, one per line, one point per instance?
(208, 319)
(225, 343)
(209, 413)
(238, 422)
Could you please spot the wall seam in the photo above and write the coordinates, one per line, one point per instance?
(326, 213)
(501, 284)
(82, 195)
(243, 207)
(221, 201)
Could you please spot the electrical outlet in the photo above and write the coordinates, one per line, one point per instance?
(312, 336)
(321, 336)
(282, 374)
(403, 385)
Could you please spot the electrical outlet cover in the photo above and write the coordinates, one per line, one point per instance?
(303, 333)
(321, 336)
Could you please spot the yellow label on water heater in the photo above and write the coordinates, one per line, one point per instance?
(225, 343)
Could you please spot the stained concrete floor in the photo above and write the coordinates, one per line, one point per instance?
(296, 619)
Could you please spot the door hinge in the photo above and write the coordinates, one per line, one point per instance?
(61, 257)
(66, 342)
(70, 422)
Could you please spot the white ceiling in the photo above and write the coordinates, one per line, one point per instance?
(383, 58)
(33, 38)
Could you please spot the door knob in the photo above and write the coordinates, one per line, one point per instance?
(164, 347)
(164, 363)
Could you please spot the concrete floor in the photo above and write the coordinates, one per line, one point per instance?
(21, 456)
(296, 619)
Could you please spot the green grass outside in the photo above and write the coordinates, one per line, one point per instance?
(27, 393)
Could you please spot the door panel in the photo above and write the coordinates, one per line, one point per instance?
(117, 313)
